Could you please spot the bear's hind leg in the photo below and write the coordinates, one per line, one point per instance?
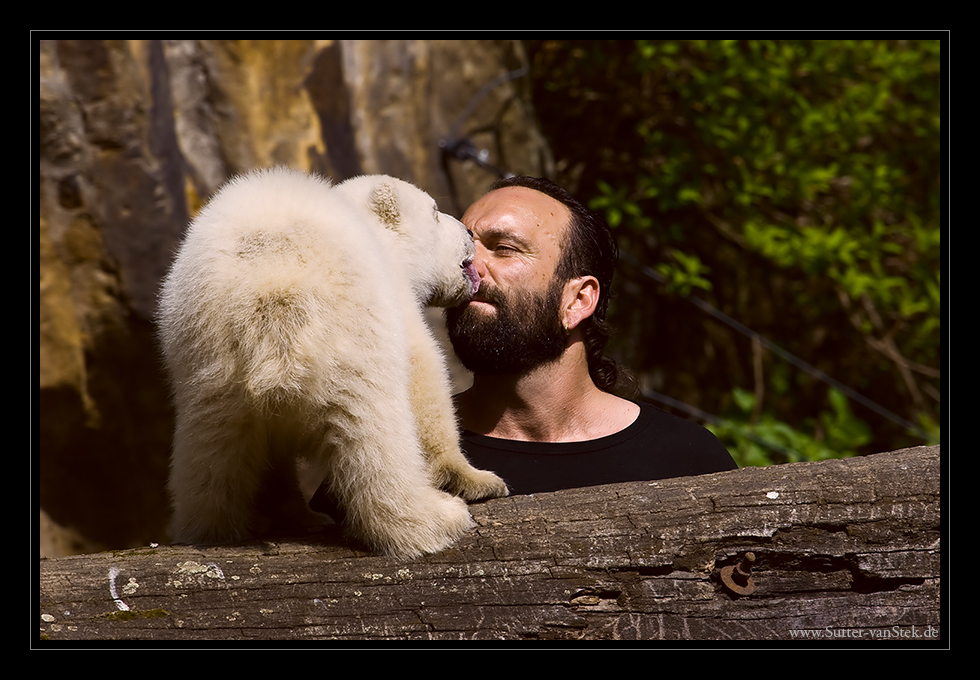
(216, 473)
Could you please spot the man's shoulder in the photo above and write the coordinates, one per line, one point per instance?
(680, 436)
(654, 416)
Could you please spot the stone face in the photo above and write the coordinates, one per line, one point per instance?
(133, 138)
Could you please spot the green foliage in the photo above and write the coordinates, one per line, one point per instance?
(687, 272)
(814, 151)
(834, 433)
(795, 184)
(680, 276)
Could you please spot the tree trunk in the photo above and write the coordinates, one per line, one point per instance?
(843, 549)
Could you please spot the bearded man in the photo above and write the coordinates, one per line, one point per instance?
(545, 411)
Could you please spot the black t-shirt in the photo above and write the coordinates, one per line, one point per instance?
(657, 445)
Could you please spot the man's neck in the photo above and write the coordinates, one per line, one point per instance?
(557, 402)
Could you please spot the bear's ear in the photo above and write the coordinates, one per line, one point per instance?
(384, 204)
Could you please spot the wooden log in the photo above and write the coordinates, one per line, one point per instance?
(844, 549)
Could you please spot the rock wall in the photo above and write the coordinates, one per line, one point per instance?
(133, 138)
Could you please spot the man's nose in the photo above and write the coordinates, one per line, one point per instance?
(480, 260)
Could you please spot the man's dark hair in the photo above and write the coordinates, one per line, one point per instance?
(589, 249)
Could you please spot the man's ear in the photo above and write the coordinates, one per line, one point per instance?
(579, 301)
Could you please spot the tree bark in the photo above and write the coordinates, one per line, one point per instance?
(844, 549)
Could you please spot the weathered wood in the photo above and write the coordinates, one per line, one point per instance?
(843, 548)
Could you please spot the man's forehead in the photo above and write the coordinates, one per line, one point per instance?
(516, 208)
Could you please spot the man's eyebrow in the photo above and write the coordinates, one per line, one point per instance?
(499, 233)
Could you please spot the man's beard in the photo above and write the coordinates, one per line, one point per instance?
(524, 333)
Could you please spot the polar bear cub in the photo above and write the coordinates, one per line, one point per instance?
(292, 327)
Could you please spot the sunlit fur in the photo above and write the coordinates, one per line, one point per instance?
(292, 326)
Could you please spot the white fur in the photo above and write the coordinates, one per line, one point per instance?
(292, 326)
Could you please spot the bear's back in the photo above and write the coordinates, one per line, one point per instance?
(285, 229)
(277, 264)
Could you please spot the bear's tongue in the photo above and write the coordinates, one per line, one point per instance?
(474, 278)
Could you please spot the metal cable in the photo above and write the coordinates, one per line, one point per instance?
(779, 351)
